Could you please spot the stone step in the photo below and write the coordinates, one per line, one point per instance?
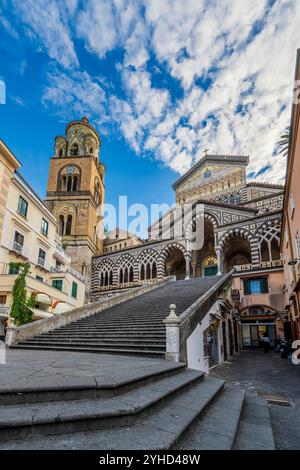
(19, 421)
(92, 387)
(123, 322)
(117, 334)
(114, 328)
(255, 429)
(142, 344)
(127, 324)
(157, 344)
(217, 427)
(100, 333)
(106, 349)
(160, 429)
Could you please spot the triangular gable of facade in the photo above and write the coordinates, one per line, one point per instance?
(211, 167)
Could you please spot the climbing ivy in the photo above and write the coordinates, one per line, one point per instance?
(21, 304)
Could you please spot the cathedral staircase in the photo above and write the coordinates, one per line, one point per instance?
(133, 327)
(159, 404)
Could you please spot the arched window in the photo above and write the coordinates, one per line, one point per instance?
(121, 276)
(74, 186)
(154, 273)
(110, 277)
(275, 250)
(69, 225)
(64, 183)
(142, 272)
(131, 274)
(61, 225)
(60, 153)
(148, 271)
(91, 150)
(74, 150)
(264, 250)
(69, 183)
(97, 192)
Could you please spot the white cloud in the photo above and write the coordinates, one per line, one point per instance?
(46, 20)
(75, 95)
(245, 51)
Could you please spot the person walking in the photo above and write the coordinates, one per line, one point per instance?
(2, 330)
(266, 342)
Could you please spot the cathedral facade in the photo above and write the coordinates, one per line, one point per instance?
(75, 193)
(241, 228)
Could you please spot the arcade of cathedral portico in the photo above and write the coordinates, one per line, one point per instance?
(241, 229)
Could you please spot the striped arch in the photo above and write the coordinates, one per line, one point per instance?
(125, 269)
(164, 254)
(247, 235)
(267, 234)
(146, 262)
(103, 273)
(206, 216)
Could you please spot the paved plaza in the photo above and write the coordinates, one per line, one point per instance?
(264, 374)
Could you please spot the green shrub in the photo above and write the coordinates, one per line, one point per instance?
(21, 304)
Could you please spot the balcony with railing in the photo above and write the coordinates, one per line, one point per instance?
(67, 269)
(41, 262)
(18, 250)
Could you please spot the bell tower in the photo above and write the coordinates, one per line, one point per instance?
(75, 193)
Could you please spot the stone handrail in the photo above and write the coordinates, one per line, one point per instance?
(20, 333)
(182, 326)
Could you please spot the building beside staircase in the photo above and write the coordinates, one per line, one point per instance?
(290, 234)
(29, 233)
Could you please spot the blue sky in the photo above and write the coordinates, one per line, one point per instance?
(161, 79)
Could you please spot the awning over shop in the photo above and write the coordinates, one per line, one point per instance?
(59, 308)
(42, 298)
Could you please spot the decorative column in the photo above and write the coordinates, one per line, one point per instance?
(187, 267)
(11, 331)
(172, 323)
(219, 261)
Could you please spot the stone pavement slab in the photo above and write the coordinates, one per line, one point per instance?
(54, 370)
(254, 371)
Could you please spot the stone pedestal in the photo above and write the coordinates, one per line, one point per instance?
(10, 333)
(172, 323)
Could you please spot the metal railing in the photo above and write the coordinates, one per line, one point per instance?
(18, 247)
(41, 262)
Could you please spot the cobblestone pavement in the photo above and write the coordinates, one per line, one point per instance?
(260, 373)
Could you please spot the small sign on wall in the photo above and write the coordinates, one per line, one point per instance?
(4, 309)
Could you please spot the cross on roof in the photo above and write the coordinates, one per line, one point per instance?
(206, 152)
